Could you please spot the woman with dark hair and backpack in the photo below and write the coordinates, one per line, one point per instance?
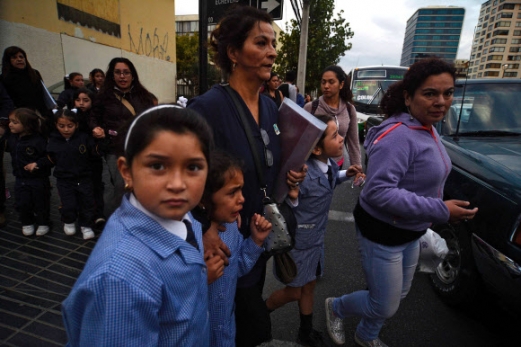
(336, 101)
(120, 99)
(22, 82)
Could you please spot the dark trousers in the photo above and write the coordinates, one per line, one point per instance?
(33, 200)
(77, 200)
(98, 187)
(252, 318)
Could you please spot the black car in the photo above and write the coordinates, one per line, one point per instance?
(482, 135)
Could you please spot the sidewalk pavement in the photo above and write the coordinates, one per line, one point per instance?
(37, 274)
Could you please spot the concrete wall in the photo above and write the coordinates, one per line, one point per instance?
(143, 31)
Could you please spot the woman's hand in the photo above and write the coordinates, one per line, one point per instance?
(213, 243)
(458, 211)
(214, 265)
(260, 228)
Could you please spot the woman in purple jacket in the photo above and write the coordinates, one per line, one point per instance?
(403, 196)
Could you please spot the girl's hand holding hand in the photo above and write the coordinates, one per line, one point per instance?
(260, 229)
(98, 133)
(213, 243)
(355, 170)
(31, 167)
(214, 265)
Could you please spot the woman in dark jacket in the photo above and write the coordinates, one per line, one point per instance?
(120, 99)
(21, 81)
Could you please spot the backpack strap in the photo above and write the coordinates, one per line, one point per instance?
(314, 106)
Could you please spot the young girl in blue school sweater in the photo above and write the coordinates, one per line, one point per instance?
(70, 151)
(316, 193)
(145, 282)
(222, 201)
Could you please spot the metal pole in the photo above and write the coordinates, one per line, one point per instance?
(203, 50)
(303, 49)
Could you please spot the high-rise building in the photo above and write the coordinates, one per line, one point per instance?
(496, 48)
(432, 31)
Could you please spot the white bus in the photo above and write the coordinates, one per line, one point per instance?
(369, 84)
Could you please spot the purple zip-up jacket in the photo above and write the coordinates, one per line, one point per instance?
(407, 169)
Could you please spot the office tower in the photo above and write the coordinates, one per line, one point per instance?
(496, 47)
(432, 31)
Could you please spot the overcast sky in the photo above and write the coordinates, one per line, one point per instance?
(379, 26)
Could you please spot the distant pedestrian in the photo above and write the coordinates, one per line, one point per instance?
(121, 98)
(31, 168)
(83, 100)
(300, 99)
(407, 169)
(70, 151)
(270, 89)
(72, 82)
(96, 80)
(22, 82)
(145, 282)
(316, 194)
(336, 100)
(288, 88)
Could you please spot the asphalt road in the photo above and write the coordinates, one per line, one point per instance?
(422, 319)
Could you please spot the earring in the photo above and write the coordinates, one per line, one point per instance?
(128, 188)
(234, 65)
(409, 111)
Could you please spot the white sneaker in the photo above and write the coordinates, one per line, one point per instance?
(42, 230)
(87, 233)
(69, 229)
(28, 230)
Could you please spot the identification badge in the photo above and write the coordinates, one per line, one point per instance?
(276, 128)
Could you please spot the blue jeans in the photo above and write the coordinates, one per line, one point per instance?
(389, 271)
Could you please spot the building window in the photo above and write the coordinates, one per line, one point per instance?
(501, 32)
(502, 24)
(480, 75)
(512, 66)
(493, 66)
(515, 49)
(491, 74)
(517, 32)
(485, 51)
(514, 57)
(487, 43)
(516, 41)
(497, 49)
(505, 15)
(518, 24)
(495, 57)
(479, 55)
(498, 41)
(481, 67)
(510, 74)
(506, 7)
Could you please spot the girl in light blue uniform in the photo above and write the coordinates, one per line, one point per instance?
(316, 193)
(222, 201)
(145, 283)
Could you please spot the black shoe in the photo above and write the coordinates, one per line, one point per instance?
(311, 339)
(99, 224)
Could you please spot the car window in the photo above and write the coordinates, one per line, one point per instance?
(487, 107)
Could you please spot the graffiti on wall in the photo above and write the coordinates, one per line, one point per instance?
(151, 44)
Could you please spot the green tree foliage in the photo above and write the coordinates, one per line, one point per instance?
(187, 59)
(327, 42)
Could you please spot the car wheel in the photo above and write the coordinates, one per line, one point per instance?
(456, 279)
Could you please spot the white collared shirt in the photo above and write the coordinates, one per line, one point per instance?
(176, 227)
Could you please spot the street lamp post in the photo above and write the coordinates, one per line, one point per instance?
(504, 66)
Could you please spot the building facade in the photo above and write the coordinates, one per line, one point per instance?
(64, 36)
(432, 31)
(496, 47)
